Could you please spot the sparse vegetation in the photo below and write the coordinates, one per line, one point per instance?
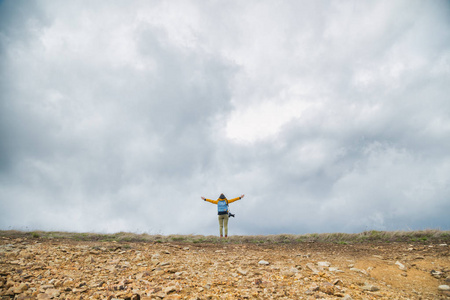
(422, 236)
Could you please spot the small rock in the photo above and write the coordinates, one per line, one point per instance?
(312, 267)
(370, 287)
(53, 293)
(400, 266)
(9, 292)
(323, 264)
(334, 269)
(9, 284)
(170, 289)
(289, 272)
(327, 288)
(263, 262)
(436, 274)
(444, 287)
(309, 292)
(46, 287)
(241, 271)
(79, 290)
(337, 282)
(21, 288)
(43, 297)
(24, 297)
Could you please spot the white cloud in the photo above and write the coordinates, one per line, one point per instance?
(329, 117)
(263, 120)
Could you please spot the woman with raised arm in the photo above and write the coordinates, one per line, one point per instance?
(222, 211)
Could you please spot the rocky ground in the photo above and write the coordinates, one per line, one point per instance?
(33, 268)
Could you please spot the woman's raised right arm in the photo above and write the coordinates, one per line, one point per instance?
(211, 201)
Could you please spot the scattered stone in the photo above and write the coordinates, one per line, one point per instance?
(170, 289)
(9, 292)
(323, 264)
(400, 266)
(312, 268)
(338, 282)
(436, 274)
(79, 290)
(370, 287)
(46, 287)
(21, 288)
(335, 269)
(289, 272)
(444, 287)
(43, 297)
(241, 271)
(53, 293)
(24, 297)
(327, 288)
(263, 262)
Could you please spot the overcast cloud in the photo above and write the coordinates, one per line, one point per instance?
(329, 116)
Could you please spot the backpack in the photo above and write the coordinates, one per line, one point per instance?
(222, 206)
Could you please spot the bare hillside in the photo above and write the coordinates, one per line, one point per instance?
(32, 267)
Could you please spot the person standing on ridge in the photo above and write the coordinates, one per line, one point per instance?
(222, 207)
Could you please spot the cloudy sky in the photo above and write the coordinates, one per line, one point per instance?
(330, 116)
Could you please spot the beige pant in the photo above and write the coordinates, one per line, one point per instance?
(223, 221)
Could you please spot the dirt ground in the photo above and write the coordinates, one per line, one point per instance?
(33, 268)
